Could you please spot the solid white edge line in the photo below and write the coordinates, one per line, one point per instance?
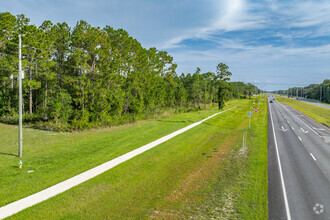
(300, 138)
(312, 156)
(288, 215)
(299, 119)
(19, 205)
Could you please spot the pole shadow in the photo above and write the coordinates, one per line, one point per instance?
(8, 154)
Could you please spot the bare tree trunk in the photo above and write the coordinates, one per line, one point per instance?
(30, 92)
(82, 95)
(45, 102)
(23, 105)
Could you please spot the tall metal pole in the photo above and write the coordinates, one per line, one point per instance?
(320, 93)
(20, 134)
(297, 93)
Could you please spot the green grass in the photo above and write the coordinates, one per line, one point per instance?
(57, 156)
(235, 187)
(144, 186)
(319, 114)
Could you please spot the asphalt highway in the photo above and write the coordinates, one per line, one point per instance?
(298, 165)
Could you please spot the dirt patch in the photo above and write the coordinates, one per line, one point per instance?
(195, 180)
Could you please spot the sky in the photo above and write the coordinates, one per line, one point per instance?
(273, 44)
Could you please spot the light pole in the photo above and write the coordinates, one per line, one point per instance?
(20, 75)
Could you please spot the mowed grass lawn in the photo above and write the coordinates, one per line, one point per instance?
(319, 114)
(156, 183)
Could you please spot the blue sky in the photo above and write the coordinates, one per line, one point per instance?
(274, 44)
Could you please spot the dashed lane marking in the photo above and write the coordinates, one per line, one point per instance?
(312, 156)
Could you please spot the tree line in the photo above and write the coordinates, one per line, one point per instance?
(319, 92)
(85, 76)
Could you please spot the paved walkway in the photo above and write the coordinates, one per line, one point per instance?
(52, 191)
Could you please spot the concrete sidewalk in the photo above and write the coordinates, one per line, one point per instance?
(45, 194)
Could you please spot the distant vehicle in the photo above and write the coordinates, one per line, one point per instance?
(271, 101)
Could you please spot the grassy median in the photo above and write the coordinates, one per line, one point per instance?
(173, 180)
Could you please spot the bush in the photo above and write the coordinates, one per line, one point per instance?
(51, 126)
(7, 119)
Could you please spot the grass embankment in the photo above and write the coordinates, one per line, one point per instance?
(232, 184)
(319, 114)
(164, 182)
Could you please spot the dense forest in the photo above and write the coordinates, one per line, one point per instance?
(319, 92)
(83, 77)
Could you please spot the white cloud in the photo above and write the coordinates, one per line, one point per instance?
(236, 16)
(311, 13)
(230, 15)
(240, 15)
(300, 14)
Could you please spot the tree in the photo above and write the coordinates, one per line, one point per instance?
(90, 76)
(223, 75)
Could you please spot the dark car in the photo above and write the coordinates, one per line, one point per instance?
(271, 101)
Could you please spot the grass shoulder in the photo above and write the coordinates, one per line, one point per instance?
(236, 187)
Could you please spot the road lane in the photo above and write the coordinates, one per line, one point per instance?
(278, 207)
(306, 185)
(321, 129)
(313, 140)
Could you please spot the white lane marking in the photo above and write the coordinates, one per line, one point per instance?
(300, 120)
(292, 128)
(312, 156)
(288, 122)
(52, 191)
(300, 138)
(320, 129)
(287, 208)
(283, 129)
(303, 131)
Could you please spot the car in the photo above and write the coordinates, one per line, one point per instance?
(271, 101)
